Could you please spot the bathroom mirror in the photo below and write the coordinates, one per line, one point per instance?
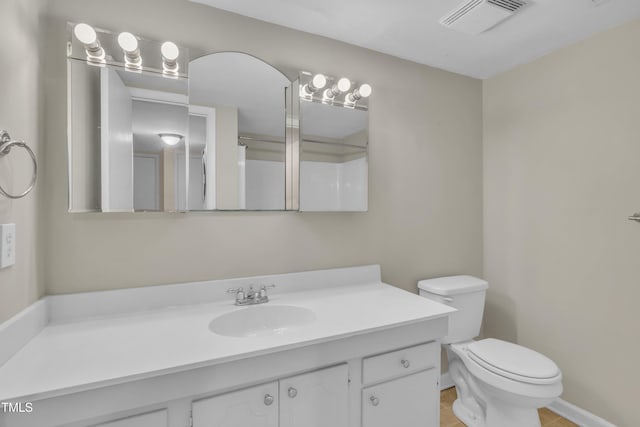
(237, 157)
(128, 123)
(333, 151)
(151, 132)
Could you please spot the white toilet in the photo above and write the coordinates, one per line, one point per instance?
(499, 384)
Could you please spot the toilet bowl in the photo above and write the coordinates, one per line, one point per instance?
(499, 384)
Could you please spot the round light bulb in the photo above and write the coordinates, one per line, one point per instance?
(128, 42)
(319, 81)
(170, 51)
(344, 84)
(85, 34)
(365, 90)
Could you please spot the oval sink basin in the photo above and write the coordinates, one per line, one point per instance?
(261, 320)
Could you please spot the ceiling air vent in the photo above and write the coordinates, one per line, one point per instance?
(477, 16)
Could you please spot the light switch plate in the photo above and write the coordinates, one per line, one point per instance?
(7, 245)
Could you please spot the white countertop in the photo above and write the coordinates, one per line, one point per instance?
(80, 354)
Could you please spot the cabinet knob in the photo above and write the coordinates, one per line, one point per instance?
(268, 399)
(405, 363)
(374, 401)
(292, 392)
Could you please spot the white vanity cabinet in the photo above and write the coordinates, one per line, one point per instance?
(369, 358)
(315, 399)
(251, 407)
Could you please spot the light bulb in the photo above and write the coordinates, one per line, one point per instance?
(364, 90)
(89, 38)
(170, 51)
(128, 42)
(319, 81)
(344, 84)
(85, 34)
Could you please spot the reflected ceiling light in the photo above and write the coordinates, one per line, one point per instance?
(343, 85)
(170, 53)
(317, 82)
(170, 138)
(129, 44)
(89, 38)
(364, 91)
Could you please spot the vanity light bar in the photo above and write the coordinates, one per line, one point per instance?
(102, 47)
(329, 90)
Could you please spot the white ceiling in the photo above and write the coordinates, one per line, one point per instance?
(409, 29)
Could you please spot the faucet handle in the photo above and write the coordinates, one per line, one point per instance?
(263, 291)
(239, 294)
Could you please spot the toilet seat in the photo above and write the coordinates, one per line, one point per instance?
(514, 361)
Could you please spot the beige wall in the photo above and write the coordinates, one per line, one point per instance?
(426, 170)
(561, 175)
(20, 95)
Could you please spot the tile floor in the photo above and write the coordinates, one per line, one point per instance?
(447, 419)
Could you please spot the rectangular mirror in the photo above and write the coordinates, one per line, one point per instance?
(333, 151)
(127, 129)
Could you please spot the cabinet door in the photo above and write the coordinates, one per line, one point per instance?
(316, 399)
(251, 407)
(411, 401)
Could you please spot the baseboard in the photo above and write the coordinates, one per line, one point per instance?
(578, 415)
(446, 381)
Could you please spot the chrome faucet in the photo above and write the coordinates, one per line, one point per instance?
(251, 296)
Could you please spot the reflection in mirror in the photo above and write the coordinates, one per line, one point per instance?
(237, 160)
(119, 162)
(333, 156)
(127, 121)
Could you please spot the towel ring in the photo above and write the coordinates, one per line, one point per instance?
(5, 148)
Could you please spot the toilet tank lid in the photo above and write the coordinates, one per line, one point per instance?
(453, 285)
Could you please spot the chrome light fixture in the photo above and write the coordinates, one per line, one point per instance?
(170, 139)
(129, 44)
(89, 38)
(126, 50)
(337, 92)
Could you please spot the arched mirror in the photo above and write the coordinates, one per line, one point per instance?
(237, 149)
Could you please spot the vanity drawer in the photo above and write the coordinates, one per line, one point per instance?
(400, 362)
(152, 419)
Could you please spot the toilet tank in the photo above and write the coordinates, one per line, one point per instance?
(464, 293)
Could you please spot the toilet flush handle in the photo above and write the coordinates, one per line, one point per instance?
(447, 299)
